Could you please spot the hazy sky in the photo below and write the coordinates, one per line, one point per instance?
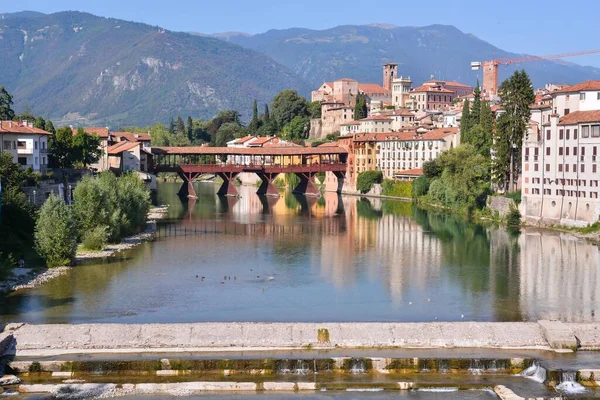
(522, 26)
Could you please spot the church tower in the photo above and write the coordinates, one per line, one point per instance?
(390, 71)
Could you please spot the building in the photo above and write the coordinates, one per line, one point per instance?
(128, 156)
(430, 96)
(401, 91)
(560, 178)
(27, 145)
(459, 89)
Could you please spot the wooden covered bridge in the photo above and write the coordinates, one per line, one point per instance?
(266, 162)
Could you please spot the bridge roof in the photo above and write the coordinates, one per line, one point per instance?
(267, 151)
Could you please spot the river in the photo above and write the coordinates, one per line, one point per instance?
(338, 258)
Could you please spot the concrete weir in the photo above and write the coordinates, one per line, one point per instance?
(48, 340)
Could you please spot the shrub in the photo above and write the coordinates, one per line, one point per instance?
(513, 218)
(96, 238)
(55, 233)
(396, 189)
(515, 196)
(366, 179)
(420, 186)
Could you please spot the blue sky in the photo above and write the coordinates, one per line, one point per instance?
(524, 26)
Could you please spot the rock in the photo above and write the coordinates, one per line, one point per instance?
(9, 380)
(558, 335)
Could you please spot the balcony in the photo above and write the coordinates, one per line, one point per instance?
(24, 150)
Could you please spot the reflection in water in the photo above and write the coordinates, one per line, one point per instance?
(335, 258)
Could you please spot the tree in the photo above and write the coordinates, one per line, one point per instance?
(61, 149)
(10, 172)
(314, 109)
(55, 233)
(172, 126)
(49, 127)
(254, 124)
(180, 125)
(190, 128)
(486, 124)
(516, 95)
(360, 108)
(366, 179)
(266, 115)
(476, 108)
(286, 105)
(226, 133)
(502, 153)
(465, 122)
(298, 128)
(39, 123)
(86, 148)
(6, 102)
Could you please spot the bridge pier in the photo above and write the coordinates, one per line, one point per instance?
(187, 188)
(307, 184)
(267, 187)
(341, 176)
(228, 188)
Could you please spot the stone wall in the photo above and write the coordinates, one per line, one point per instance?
(500, 204)
(316, 129)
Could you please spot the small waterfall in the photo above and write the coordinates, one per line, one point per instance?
(301, 368)
(568, 383)
(358, 366)
(476, 366)
(284, 367)
(535, 372)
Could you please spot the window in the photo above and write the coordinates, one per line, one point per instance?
(559, 167)
(22, 160)
(567, 97)
(560, 151)
(37, 160)
(35, 146)
(574, 167)
(560, 134)
(585, 131)
(567, 111)
(568, 134)
(582, 167)
(575, 134)
(581, 96)
(595, 130)
(535, 167)
(582, 151)
(547, 151)
(566, 151)
(548, 134)
(575, 150)
(547, 167)
(21, 144)
(598, 96)
(566, 167)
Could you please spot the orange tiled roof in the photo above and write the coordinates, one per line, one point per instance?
(587, 85)
(121, 147)
(426, 88)
(372, 88)
(411, 172)
(404, 113)
(449, 83)
(577, 117)
(249, 151)
(244, 139)
(20, 127)
(539, 106)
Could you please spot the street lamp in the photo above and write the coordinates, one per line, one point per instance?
(34, 197)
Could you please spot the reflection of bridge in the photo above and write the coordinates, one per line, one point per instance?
(266, 162)
(323, 227)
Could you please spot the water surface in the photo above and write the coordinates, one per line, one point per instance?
(332, 259)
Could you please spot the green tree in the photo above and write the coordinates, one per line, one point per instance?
(10, 172)
(190, 128)
(226, 133)
(255, 122)
(55, 233)
(366, 179)
(476, 108)
(266, 115)
(516, 95)
(172, 126)
(502, 152)
(39, 123)
(49, 127)
(286, 105)
(61, 149)
(314, 109)
(6, 102)
(360, 108)
(298, 128)
(86, 148)
(465, 122)
(180, 125)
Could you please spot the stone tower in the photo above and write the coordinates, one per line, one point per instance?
(390, 71)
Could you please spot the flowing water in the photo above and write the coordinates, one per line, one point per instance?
(331, 259)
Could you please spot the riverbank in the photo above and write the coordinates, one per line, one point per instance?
(29, 278)
(52, 340)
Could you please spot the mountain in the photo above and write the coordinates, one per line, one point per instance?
(359, 52)
(78, 68)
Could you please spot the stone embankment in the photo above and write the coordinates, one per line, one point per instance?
(49, 340)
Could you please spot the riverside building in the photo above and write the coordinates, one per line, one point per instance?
(561, 173)
(27, 145)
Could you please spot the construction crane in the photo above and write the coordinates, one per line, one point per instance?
(490, 68)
